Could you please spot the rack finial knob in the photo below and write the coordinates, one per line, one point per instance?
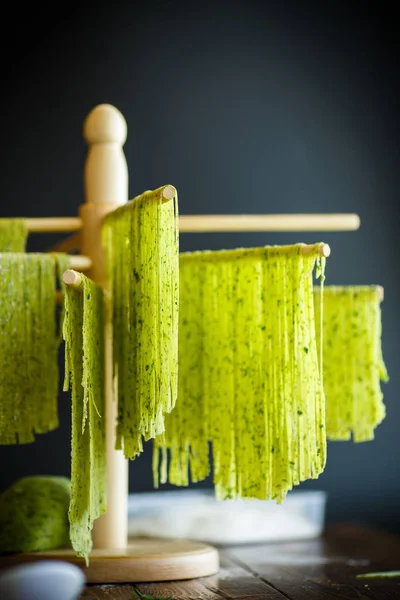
(106, 171)
(105, 124)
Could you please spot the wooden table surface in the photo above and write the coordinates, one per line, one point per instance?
(305, 570)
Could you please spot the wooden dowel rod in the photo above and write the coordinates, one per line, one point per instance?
(299, 223)
(169, 192)
(79, 262)
(321, 249)
(72, 278)
(222, 223)
(71, 243)
(53, 224)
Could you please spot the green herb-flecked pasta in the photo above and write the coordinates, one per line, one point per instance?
(13, 235)
(249, 378)
(84, 373)
(185, 434)
(353, 363)
(29, 344)
(62, 264)
(141, 242)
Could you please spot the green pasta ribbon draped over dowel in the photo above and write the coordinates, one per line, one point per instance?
(353, 362)
(141, 243)
(84, 373)
(249, 378)
(13, 235)
(29, 342)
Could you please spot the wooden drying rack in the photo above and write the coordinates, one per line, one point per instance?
(106, 188)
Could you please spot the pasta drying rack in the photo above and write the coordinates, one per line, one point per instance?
(113, 559)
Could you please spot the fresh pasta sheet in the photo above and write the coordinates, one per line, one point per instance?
(141, 243)
(13, 235)
(353, 362)
(249, 377)
(84, 374)
(29, 342)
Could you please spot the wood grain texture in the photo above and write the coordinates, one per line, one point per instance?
(109, 592)
(326, 568)
(142, 560)
(231, 581)
(320, 569)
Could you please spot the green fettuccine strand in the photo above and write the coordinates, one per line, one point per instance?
(62, 264)
(13, 235)
(28, 346)
(185, 434)
(353, 362)
(249, 379)
(84, 374)
(141, 242)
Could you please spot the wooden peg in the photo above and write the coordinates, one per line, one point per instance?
(72, 278)
(106, 171)
(169, 192)
(323, 250)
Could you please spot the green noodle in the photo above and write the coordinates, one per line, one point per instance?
(62, 264)
(353, 363)
(249, 379)
(13, 235)
(84, 373)
(141, 242)
(28, 346)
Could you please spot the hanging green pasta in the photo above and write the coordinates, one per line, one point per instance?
(353, 363)
(13, 235)
(84, 373)
(185, 432)
(29, 345)
(249, 379)
(141, 243)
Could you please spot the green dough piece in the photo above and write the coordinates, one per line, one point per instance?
(34, 515)
(249, 377)
(13, 235)
(29, 343)
(141, 243)
(84, 373)
(353, 363)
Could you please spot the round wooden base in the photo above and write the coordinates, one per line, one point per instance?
(144, 560)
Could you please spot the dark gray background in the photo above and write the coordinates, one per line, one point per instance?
(255, 107)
